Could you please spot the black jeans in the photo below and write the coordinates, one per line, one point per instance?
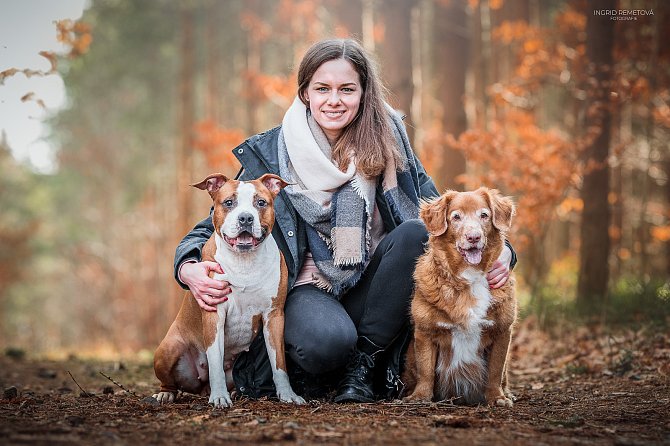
(320, 331)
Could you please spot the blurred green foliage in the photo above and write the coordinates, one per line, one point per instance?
(632, 301)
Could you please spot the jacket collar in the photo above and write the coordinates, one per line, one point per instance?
(264, 147)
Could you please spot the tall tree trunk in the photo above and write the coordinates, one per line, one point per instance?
(396, 57)
(348, 18)
(186, 119)
(666, 164)
(253, 61)
(213, 97)
(452, 39)
(186, 116)
(595, 242)
(479, 69)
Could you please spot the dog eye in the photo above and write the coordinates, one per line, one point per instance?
(456, 217)
(485, 215)
(261, 203)
(228, 203)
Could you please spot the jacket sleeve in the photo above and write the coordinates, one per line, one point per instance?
(427, 187)
(190, 248)
(512, 263)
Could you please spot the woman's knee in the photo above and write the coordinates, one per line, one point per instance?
(323, 351)
(411, 237)
(319, 334)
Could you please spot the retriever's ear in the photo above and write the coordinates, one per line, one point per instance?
(502, 209)
(212, 183)
(434, 213)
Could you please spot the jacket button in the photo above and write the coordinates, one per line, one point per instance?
(240, 151)
(290, 233)
(242, 389)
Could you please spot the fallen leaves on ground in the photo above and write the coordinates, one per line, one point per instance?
(584, 386)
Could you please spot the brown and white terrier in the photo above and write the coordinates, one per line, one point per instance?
(200, 346)
(462, 328)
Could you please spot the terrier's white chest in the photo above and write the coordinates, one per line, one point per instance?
(253, 288)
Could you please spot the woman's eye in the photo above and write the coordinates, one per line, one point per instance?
(348, 90)
(228, 203)
(261, 203)
(322, 89)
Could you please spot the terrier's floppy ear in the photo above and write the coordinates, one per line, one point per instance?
(212, 183)
(273, 182)
(502, 208)
(434, 213)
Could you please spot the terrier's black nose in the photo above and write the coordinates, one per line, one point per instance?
(245, 219)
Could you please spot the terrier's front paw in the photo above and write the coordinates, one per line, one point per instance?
(164, 397)
(290, 397)
(220, 400)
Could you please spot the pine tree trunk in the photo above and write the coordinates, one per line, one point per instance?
(452, 38)
(348, 18)
(396, 57)
(186, 119)
(595, 242)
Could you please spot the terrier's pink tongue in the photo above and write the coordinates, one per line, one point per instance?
(245, 239)
(473, 256)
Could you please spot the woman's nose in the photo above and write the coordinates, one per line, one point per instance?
(334, 97)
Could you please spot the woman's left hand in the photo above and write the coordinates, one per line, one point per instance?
(499, 272)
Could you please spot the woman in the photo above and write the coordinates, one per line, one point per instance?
(347, 227)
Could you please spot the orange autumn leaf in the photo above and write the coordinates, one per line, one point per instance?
(661, 233)
(76, 35)
(215, 143)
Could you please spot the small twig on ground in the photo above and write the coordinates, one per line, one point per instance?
(401, 403)
(80, 388)
(120, 385)
(316, 409)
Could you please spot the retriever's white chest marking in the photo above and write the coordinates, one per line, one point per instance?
(465, 339)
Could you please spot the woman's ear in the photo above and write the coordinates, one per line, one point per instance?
(303, 97)
(434, 213)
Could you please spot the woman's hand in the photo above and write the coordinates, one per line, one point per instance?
(499, 272)
(207, 292)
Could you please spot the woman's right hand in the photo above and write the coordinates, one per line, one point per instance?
(206, 291)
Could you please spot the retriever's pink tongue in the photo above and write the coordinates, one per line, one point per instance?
(473, 256)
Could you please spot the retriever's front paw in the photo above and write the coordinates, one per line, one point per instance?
(498, 398)
(419, 397)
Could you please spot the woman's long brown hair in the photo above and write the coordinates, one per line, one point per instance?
(369, 136)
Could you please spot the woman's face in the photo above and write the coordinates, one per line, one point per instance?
(334, 96)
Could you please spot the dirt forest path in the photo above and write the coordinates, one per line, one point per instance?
(586, 389)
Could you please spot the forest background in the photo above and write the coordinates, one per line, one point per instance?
(553, 102)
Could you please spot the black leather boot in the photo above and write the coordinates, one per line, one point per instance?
(357, 386)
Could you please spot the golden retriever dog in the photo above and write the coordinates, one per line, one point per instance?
(462, 328)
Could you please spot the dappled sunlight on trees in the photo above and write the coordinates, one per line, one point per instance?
(498, 93)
